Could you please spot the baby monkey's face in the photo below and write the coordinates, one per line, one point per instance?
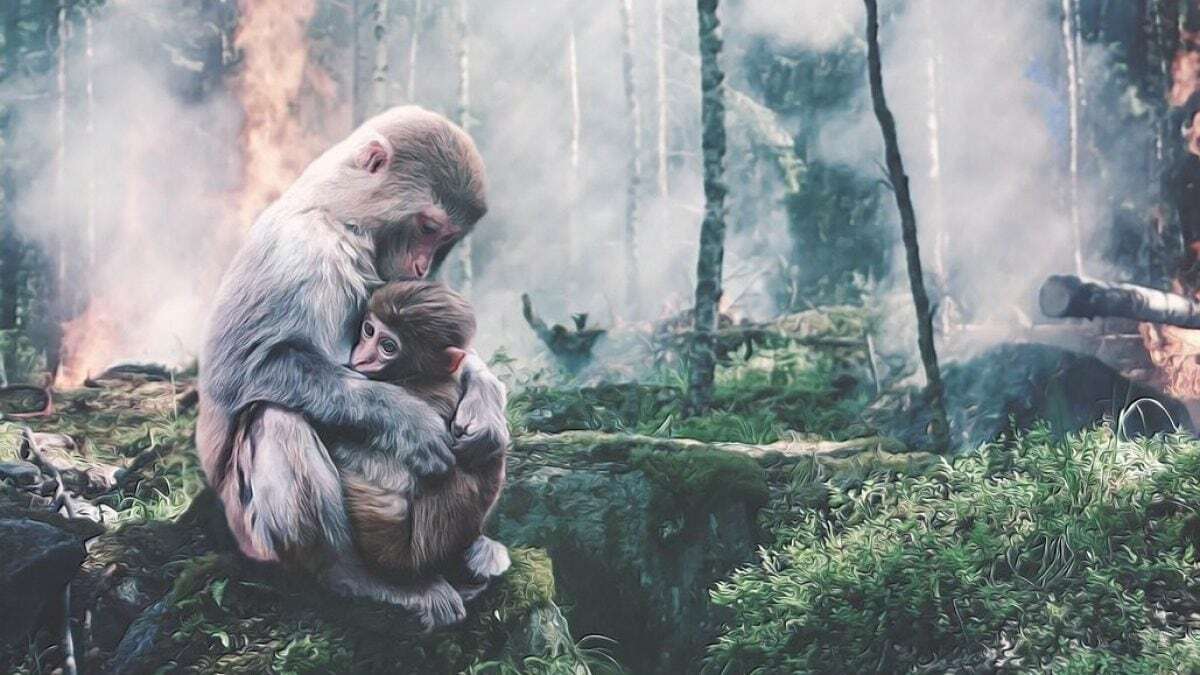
(378, 346)
(379, 349)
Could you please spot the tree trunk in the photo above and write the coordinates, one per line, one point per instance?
(379, 74)
(1070, 48)
(633, 111)
(934, 126)
(466, 267)
(90, 134)
(10, 246)
(414, 48)
(58, 248)
(939, 430)
(712, 230)
(358, 102)
(573, 181)
(1069, 296)
(660, 59)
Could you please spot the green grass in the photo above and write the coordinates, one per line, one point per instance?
(756, 402)
(1076, 555)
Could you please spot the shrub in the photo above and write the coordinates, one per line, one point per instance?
(1069, 556)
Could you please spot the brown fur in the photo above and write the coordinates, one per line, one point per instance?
(407, 530)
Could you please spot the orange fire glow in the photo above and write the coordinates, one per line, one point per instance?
(290, 107)
(276, 145)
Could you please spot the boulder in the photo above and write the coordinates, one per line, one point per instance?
(1017, 385)
(639, 529)
(37, 560)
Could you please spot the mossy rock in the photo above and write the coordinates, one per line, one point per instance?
(638, 530)
(224, 616)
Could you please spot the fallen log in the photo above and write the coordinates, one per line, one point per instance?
(1067, 295)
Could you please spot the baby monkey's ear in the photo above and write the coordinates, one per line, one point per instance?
(456, 356)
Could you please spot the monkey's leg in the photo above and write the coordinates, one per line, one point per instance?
(433, 601)
(283, 497)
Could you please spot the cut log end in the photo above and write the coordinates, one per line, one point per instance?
(1057, 294)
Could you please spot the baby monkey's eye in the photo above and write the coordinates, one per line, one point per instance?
(388, 347)
(368, 329)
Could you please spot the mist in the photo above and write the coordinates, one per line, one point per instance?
(173, 180)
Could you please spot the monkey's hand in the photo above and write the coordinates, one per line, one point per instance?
(423, 440)
(480, 426)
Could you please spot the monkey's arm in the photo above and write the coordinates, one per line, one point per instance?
(383, 416)
(480, 425)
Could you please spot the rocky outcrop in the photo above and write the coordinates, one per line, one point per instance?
(640, 528)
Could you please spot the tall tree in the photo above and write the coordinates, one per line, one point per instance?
(1071, 49)
(379, 74)
(939, 428)
(414, 48)
(466, 267)
(89, 130)
(60, 149)
(358, 102)
(633, 110)
(573, 180)
(11, 251)
(712, 230)
(933, 123)
(660, 67)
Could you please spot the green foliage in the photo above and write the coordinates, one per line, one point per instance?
(1066, 556)
(785, 390)
(689, 485)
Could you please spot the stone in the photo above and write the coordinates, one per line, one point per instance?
(37, 560)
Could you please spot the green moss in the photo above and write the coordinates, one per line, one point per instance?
(687, 485)
(1072, 555)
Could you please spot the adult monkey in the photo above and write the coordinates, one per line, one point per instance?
(387, 202)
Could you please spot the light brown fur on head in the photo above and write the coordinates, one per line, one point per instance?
(428, 318)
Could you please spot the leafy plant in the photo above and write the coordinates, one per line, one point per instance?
(1074, 555)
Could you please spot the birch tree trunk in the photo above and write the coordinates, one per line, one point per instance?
(414, 48)
(635, 161)
(90, 133)
(573, 180)
(466, 266)
(358, 103)
(379, 74)
(1070, 48)
(934, 126)
(660, 66)
(712, 230)
(939, 427)
(1066, 296)
(60, 150)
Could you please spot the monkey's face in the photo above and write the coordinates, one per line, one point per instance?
(430, 233)
(378, 347)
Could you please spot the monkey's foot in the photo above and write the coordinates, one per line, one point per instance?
(487, 558)
(484, 561)
(434, 603)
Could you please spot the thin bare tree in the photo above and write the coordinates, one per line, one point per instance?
(939, 427)
(660, 67)
(1071, 49)
(633, 111)
(466, 267)
(379, 74)
(414, 49)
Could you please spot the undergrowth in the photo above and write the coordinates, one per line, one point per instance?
(755, 402)
(1075, 555)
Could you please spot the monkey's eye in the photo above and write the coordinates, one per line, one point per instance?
(428, 225)
(388, 346)
(368, 329)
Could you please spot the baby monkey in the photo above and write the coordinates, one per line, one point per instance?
(416, 335)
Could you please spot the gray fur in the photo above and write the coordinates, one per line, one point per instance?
(273, 390)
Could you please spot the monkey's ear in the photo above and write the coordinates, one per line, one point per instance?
(372, 158)
(456, 358)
